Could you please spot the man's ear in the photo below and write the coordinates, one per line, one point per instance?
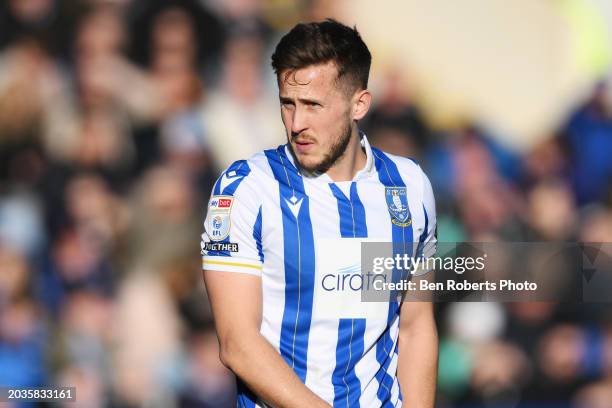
(361, 103)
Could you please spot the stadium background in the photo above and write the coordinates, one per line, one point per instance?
(116, 117)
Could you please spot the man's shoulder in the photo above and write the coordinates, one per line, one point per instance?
(246, 174)
(252, 166)
(258, 162)
(267, 163)
(404, 164)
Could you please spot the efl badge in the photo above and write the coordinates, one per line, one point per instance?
(397, 203)
(218, 217)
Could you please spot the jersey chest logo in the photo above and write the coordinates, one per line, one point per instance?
(397, 204)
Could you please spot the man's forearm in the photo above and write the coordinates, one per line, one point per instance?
(253, 359)
(418, 364)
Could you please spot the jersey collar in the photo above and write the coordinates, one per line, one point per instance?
(365, 172)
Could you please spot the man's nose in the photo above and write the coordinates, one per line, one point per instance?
(298, 122)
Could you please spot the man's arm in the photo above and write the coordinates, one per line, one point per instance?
(418, 354)
(236, 302)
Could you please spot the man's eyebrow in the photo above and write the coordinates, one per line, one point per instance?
(307, 101)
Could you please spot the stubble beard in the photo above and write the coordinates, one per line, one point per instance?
(334, 154)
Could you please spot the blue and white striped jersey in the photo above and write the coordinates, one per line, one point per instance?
(296, 232)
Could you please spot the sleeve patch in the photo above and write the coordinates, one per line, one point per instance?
(218, 218)
(221, 203)
(220, 246)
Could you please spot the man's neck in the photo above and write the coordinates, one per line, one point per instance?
(353, 160)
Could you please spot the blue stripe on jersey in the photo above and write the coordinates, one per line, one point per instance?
(352, 213)
(349, 346)
(299, 261)
(345, 209)
(389, 176)
(349, 350)
(361, 227)
(257, 235)
(232, 178)
(245, 398)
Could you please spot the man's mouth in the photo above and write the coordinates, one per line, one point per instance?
(303, 142)
(303, 146)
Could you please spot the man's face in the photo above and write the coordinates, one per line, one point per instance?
(316, 112)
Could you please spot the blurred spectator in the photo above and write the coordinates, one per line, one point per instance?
(596, 225)
(91, 390)
(92, 130)
(242, 15)
(203, 25)
(547, 160)
(466, 321)
(394, 141)
(590, 138)
(15, 277)
(240, 117)
(21, 223)
(560, 358)
(173, 60)
(184, 147)
(552, 213)
(147, 347)
(395, 110)
(165, 223)
(173, 40)
(209, 383)
(91, 205)
(22, 345)
(468, 173)
(597, 395)
(78, 261)
(527, 321)
(174, 72)
(31, 85)
(501, 370)
(48, 23)
(86, 323)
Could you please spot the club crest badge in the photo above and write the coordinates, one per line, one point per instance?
(397, 203)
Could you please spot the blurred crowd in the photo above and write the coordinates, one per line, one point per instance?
(115, 119)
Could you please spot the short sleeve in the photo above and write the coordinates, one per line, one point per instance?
(428, 240)
(231, 241)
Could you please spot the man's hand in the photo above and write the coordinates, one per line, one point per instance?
(236, 302)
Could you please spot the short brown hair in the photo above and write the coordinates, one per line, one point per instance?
(317, 43)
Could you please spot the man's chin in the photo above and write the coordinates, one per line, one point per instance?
(305, 162)
(309, 166)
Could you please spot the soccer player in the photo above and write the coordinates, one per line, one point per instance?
(290, 325)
